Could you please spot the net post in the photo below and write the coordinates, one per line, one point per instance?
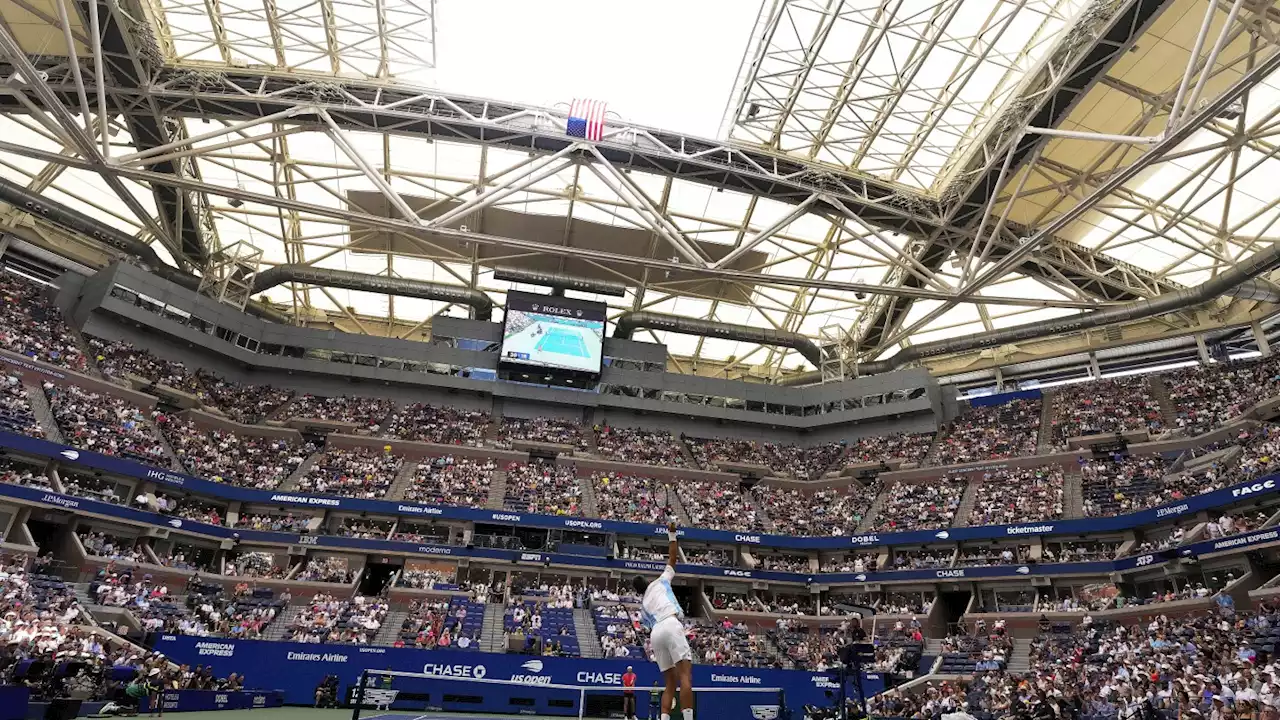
(782, 705)
(582, 702)
(359, 695)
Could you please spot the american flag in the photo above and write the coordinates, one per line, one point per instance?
(586, 120)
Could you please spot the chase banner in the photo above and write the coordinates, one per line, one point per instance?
(295, 669)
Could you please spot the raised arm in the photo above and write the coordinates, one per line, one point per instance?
(673, 550)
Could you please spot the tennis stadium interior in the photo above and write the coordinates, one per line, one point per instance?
(352, 363)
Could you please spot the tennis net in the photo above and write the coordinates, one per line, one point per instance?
(391, 691)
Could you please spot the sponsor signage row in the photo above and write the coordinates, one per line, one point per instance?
(144, 517)
(1189, 506)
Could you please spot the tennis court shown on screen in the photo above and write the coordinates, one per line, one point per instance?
(553, 333)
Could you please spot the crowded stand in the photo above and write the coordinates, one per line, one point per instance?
(541, 430)
(118, 359)
(1206, 396)
(455, 624)
(634, 445)
(852, 563)
(724, 643)
(708, 452)
(113, 547)
(248, 404)
(905, 603)
(419, 533)
(718, 506)
(19, 473)
(1017, 495)
(429, 423)
(247, 461)
(1122, 485)
(198, 510)
(910, 447)
(977, 556)
(366, 412)
(919, 506)
(620, 630)
(991, 432)
(288, 522)
(1079, 551)
(93, 487)
(543, 487)
(104, 424)
(787, 460)
(365, 528)
(631, 498)
(327, 570)
(922, 558)
(15, 408)
(31, 325)
(784, 563)
(1203, 664)
(450, 480)
(426, 578)
(701, 556)
(328, 620)
(1104, 407)
(255, 564)
(360, 472)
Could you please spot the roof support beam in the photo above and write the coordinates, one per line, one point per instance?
(796, 213)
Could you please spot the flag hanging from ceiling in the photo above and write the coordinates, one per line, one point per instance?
(586, 120)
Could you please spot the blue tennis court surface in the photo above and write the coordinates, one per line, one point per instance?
(562, 342)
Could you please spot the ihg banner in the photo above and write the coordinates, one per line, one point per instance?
(296, 669)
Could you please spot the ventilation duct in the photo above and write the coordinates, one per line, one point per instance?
(560, 281)
(78, 222)
(628, 323)
(1238, 278)
(347, 280)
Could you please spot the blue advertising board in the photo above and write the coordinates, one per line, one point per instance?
(167, 478)
(144, 517)
(295, 669)
(205, 700)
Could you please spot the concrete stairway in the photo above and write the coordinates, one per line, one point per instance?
(760, 510)
(1044, 442)
(677, 506)
(1073, 495)
(291, 483)
(688, 455)
(589, 437)
(390, 629)
(403, 480)
(43, 413)
(174, 464)
(91, 369)
(585, 627)
(497, 490)
(767, 643)
(1160, 392)
(590, 507)
(869, 520)
(284, 412)
(931, 456)
(1019, 661)
(933, 646)
(278, 627)
(492, 637)
(967, 501)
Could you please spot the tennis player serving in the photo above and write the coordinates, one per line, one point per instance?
(661, 613)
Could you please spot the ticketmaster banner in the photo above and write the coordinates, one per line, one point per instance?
(65, 454)
(296, 669)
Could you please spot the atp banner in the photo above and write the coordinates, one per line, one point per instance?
(106, 463)
(463, 680)
(179, 525)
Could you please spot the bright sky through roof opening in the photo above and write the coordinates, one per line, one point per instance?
(663, 63)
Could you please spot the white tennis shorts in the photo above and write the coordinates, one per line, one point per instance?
(669, 644)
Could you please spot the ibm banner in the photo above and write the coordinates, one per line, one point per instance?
(295, 669)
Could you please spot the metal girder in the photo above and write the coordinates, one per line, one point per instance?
(1064, 81)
